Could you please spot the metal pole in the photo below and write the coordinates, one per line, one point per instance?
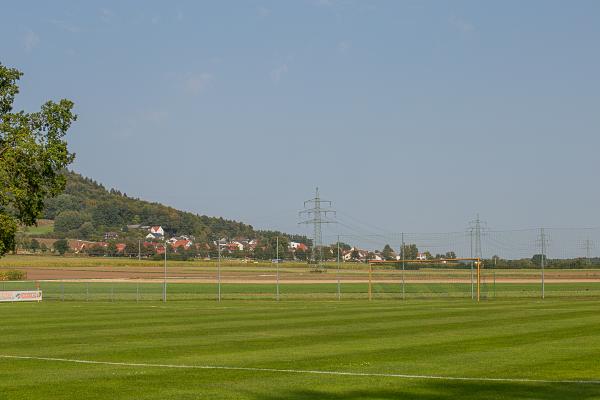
(137, 292)
(337, 273)
(277, 269)
(139, 250)
(62, 291)
(219, 272)
(472, 287)
(165, 276)
(87, 291)
(402, 255)
(478, 279)
(543, 238)
(370, 281)
(495, 259)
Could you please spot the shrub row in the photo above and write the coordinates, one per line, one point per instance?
(13, 275)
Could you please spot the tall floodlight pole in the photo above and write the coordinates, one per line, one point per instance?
(219, 270)
(277, 270)
(165, 276)
(315, 214)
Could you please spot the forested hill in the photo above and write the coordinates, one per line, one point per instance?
(87, 210)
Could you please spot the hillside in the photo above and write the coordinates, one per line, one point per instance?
(87, 210)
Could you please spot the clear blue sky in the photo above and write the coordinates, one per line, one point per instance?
(411, 116)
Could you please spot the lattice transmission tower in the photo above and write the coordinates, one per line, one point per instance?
(317, 215)
(476, 228)
(588, 245)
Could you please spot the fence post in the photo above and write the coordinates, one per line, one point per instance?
(402, 256)
(339, 292)
(495, 259)
(277, 270)
(543, 242)
(370, 281)
(472, 283)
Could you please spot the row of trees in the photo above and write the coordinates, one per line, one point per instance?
(268, 250)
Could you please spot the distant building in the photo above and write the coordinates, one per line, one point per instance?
(235, 245)
(298, 246)
(181, 243)
(110, 235)
(156, 232)
(360, 254)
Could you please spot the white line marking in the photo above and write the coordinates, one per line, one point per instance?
(299, 371)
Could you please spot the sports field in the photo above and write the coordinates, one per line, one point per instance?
(384, 349)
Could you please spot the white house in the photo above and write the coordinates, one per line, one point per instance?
(156, 232)
(362, 254)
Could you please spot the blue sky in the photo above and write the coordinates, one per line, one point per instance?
(411, 116)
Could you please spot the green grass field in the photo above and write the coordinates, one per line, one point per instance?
(552, 340)
(44, 226)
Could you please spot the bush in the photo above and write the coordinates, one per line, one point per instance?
(13, 275)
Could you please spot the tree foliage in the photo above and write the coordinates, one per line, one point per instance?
(61, 246)
(33, 154)
(388, 253)
(86, 210)
(410, 251)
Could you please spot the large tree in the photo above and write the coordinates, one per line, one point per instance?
(388, 253)
(33, 154)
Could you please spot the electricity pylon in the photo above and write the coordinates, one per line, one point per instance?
(316, 215)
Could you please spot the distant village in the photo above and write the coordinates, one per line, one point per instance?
(153, 242)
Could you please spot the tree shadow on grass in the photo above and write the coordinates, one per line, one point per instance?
(451, 390)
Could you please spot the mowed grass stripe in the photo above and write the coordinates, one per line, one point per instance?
(456, 338)
(307, 338)
(297, 371)
(370, 323)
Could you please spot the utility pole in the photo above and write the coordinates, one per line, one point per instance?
(316, 215)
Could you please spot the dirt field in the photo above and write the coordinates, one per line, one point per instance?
(89, 268)
(228, 275)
